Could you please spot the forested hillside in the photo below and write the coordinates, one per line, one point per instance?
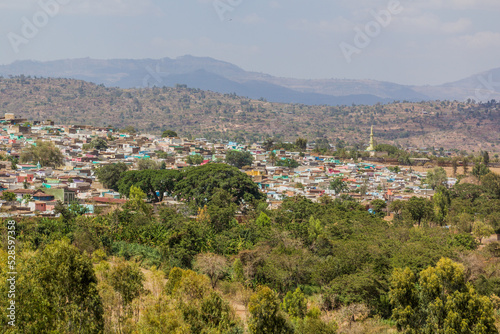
(197, 113)
(221, 264)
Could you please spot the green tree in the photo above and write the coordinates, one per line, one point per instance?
(272, 157)
(338, 185)
(99, 144)
(127, 279)
(195, 159)
(44, 152)
(301, 144)
(491, 184)
(56, 292)
(437, 177)
(239, 159)
(265, 314)
(439, 301)
(479, 170)
(8, 196)
(486, 158)
(145, 164)
(482, 230)
(169, 134)
(295, 304)
(379, 206)
(154, 183)
(287, 162)
(109, 175)
(199, 184)
(441, 200)
(268, 144)
(419, 209)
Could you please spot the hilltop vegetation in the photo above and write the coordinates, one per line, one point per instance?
(197, 113)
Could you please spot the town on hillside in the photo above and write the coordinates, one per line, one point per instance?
(32, 187)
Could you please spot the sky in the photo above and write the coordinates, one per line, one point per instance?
(408, 42)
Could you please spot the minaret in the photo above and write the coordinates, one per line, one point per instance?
(371, 148)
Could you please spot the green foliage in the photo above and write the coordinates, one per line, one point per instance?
(419, 209)
(238, 273)
(146, 164)
(338, 185)
(481, 230)
(379, 206)
(154, 183)
(127, 279)
(288, 162)
(110, 175)
(301, 144)
(437, 177)
(169, 133)
(295, 304)
(44, 152)
(439, 301)
(199, 184)
(8, 196)
(195, 159)
(265, 313)
(99, 144)
(239, 159)
(466, 241)
(56, 292)
(480, 169)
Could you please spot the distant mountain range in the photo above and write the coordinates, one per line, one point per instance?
(223, 77)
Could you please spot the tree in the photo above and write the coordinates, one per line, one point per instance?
(130, 130)
(239, 159)
(127, 279)
(212, 265)
(169, 134)
(56, 292)
(99, 144)
(195, 159)
(465, 165)
(491, 184)
(199, 184)
(482, 230)
(436, 177)
(8, 196)
(419, 209)
(301, 144)
(109, 175)
(265, 314)
(268, 144)
(379, 206)
(479, 170)
(441, 200)
(439, 301)
(454, 165)
(288, 162)
(272, 157)
(486, 158)
(145, 164)
(154, 183)
(338, 185)
(295, 304)
(44, 152)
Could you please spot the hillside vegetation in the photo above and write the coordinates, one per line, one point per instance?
(197, 113)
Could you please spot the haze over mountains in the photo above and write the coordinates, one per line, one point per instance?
(223, 77)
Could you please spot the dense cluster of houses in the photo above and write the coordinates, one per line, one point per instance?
(38, 188)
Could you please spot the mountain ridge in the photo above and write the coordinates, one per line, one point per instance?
(219, 76)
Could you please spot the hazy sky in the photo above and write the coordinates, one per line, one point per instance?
(421, 42)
